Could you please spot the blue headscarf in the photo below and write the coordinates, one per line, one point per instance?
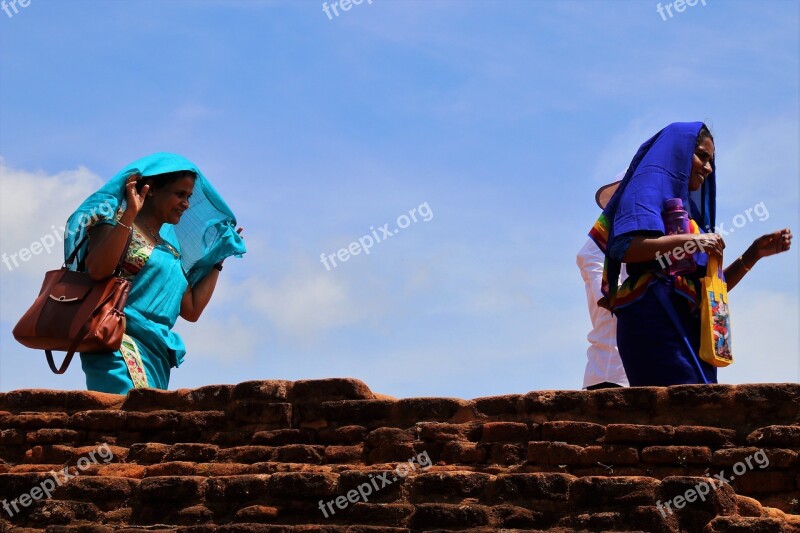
(205, 235)
(660, 170)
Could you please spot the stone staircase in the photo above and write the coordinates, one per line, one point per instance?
(331, 456)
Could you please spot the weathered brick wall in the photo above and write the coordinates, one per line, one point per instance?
(290, 456)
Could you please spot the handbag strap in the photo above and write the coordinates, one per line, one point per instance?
(85, 328)
(673, 316)
(82, 264)
(78, 339)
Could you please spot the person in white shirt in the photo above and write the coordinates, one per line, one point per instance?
(604, 367)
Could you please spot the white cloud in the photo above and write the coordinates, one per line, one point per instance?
(33, 208)
(306, 304)
(220, 337)
(33, 203)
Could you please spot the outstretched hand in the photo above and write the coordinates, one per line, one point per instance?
(773, 243)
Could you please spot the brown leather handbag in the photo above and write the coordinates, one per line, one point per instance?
(74, 313)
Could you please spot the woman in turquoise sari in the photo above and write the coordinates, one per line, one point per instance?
(180, 232)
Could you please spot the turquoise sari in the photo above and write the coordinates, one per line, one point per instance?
(205, 235)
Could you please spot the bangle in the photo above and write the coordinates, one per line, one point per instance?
(129, 228)
(744, 265)
(218, 266)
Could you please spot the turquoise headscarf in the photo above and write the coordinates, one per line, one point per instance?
(205, 235)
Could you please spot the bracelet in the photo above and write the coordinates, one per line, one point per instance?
(744, 265)
(129, 228)
(218, 266)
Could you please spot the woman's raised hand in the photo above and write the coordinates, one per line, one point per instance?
(773, 243)
(135, 199)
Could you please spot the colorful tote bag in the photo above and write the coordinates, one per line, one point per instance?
(715, 321)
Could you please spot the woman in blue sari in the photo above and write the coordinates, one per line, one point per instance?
(180, 232)
(658, 320)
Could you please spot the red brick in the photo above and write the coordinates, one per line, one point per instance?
(106, 490)
(54, 436)
(319, 390)
(390, 486)
(384, 436)
(505, 432)
(246, 454)
(344, 454)
(178, 489)
(537, 486)
(603, 521)
(151, 421)
(299, 453)
(507, 454)
(122, 470)
(610, 455)
(237, 489)
(572, 432)
(720, 499)
(445, 432)
(365, 412)
(679, 455)
(447, 486)
(539, 405)
(390, 453)
(172, 468)
(204, 420)
(449, 516)
(379, 513)
(274, 415)
(516, 517)
(776, 457)
(34, 421)
(554, 453)
(279, 437)
(98, 420)
(600, 491)
(463, 453)
(47, 513)
(148, 453)
(55, 454)
(409, 411)
(195, 452)
(775, 436)
(256, 513)
(507, 405)
(635, 434)
(342, 435)
(704, 436)
(301, 485)
(740, 524)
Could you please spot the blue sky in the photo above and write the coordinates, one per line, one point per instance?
(502, 117)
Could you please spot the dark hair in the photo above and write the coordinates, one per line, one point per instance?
(162, 180)
(704, 133)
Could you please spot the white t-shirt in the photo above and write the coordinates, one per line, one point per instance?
(603, 362)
